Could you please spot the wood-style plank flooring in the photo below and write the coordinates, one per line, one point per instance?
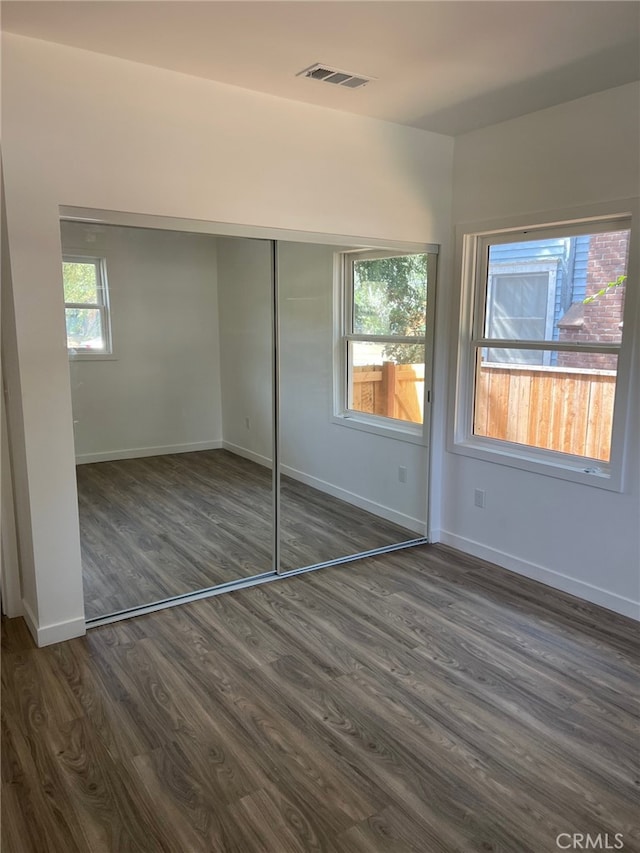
(162, 526)
(417, 701)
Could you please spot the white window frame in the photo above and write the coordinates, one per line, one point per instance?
(102, 305)
(472, 250)
(343, 335)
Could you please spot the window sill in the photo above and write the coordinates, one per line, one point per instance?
(548, 463)
(92, 356)
(413, 434)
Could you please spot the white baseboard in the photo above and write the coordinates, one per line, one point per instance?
(29, 618)
(47, 635)
(140, 452)
(557, 580)
(247, 454)
(413, 524)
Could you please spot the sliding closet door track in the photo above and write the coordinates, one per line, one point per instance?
(266, 577)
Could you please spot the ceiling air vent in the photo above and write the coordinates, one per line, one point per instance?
(320, 71)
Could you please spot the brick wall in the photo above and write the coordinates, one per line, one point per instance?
(601, 319)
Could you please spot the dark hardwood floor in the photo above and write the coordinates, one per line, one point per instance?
(416, 701)
(162, 526)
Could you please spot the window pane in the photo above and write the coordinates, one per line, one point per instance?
(513, 356)
(564, 403)
(518, 306)
(390, 295)
(84, 329)
(387, 379)
(80, 281)
(559, 289)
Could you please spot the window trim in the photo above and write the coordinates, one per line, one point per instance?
(469, 315)
(102, 305)
(343, 415)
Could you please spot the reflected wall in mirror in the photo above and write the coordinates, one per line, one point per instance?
(170, 342)
(345, 487)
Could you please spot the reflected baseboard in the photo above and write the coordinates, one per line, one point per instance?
(416, 525)
(251, 455)
(140, 452)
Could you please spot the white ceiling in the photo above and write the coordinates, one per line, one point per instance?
(445, 66)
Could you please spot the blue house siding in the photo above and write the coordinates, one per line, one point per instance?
(571, 255)
(533, 250)
(580, 267)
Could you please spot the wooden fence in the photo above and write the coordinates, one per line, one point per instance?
(391, 390)
(557, 408)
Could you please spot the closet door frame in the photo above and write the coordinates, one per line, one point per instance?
(274, 236)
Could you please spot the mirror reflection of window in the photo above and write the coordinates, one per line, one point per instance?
(386, 302)
(86, 303)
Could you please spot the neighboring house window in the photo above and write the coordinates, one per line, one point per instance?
(384, 337)
(86, 303)
(539, 375)
(520, 304)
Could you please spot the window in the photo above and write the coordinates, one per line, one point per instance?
(384, 337)
(86, 305)
(520, 303)
(539, 369)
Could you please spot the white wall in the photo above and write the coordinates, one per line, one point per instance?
(353, 465)
(15, 442)
(579, 538)
(10, 581)
(246, 346)
(92, 131)
(160, 392)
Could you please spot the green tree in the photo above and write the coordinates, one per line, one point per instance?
(81, 287)
(390, 298)
(80, 284)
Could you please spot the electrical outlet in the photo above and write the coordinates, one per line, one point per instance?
(402, 474)
(479, 498)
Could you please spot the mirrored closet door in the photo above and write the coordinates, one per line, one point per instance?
(352, 354)
(170, 354)
(241, 406)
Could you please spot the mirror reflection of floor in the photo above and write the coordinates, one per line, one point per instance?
(161, 526)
